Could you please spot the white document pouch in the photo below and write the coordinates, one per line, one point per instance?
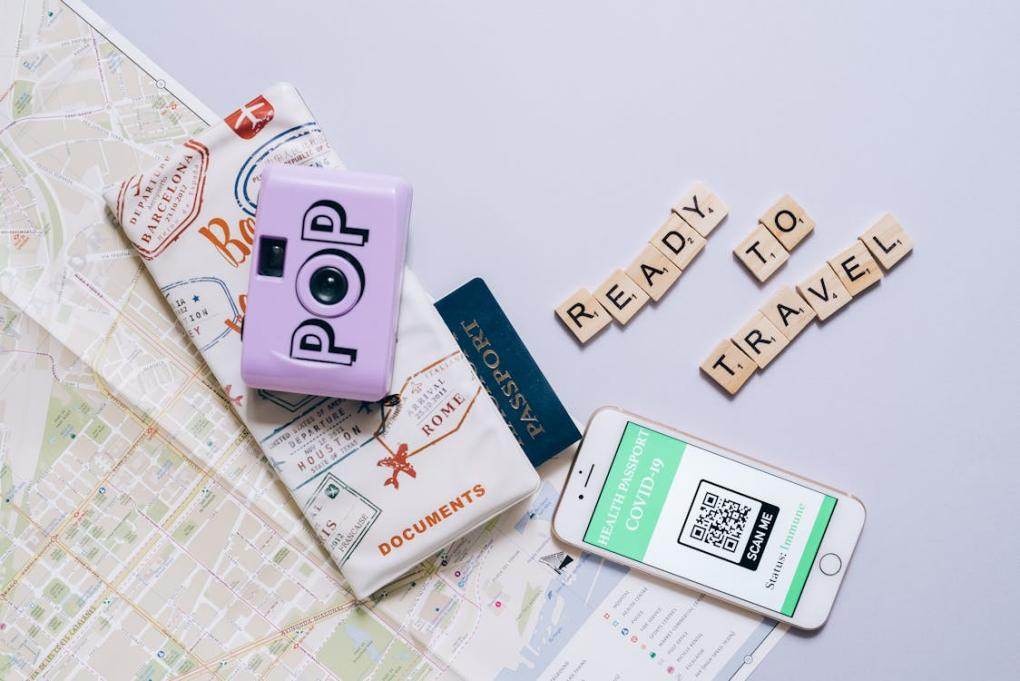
(383, 485)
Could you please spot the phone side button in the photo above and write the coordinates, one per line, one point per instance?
(830, 564)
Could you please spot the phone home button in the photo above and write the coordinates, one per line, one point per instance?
(830, 564)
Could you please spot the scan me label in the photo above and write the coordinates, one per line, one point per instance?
(635, 492)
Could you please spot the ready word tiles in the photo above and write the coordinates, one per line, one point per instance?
(659, 265)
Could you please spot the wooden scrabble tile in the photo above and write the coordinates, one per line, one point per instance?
(728, 366)
(583, 315)
(701, 209)
(621, 296)
(788, 312)
(760, 340)
(761, 253)
(788, 222)
(824, 292)
(887, 241)
(653, 272)
(856, 268)
(678, 241)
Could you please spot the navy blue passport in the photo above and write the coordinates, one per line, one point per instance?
(521, 392)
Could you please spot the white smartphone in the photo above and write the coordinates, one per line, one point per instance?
(708, 518)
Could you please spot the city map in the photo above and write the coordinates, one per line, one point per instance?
(142, 533)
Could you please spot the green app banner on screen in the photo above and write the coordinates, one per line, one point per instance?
(635, 492)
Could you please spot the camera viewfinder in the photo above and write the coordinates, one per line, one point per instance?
(272, 252)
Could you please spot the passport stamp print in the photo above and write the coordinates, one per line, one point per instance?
(434, 404)
(201, 303)
(156, 208)
(341, 516)
(303, 144)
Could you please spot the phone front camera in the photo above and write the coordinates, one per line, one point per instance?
(328, 285)
(580, 496)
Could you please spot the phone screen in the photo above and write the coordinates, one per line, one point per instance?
(718, 522)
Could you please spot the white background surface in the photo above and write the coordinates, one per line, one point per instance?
(546, 142)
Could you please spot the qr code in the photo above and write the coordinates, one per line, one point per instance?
(728, 524)
(720, 521)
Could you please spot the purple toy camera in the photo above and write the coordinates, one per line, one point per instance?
(325, 281)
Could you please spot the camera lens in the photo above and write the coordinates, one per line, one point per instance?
(328, 285)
